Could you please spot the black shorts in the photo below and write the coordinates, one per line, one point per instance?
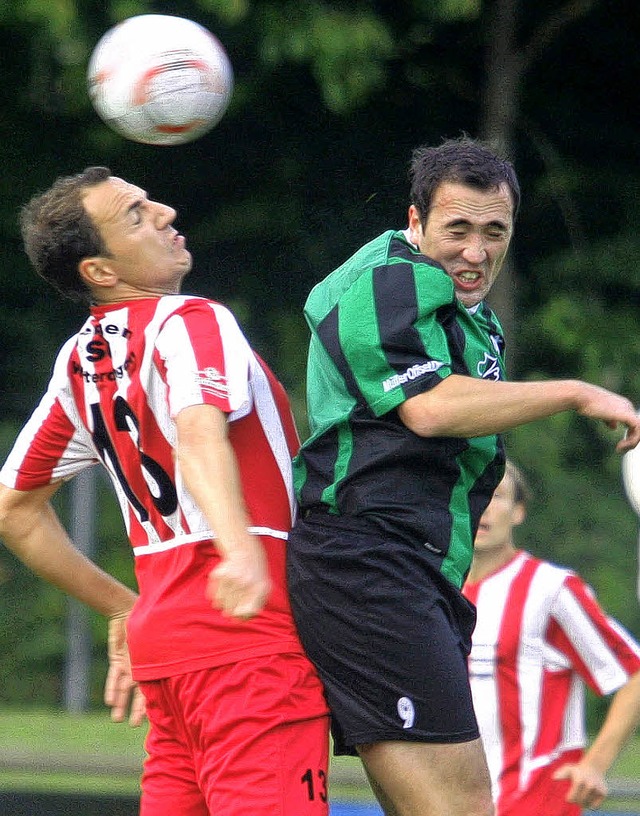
(389, 635)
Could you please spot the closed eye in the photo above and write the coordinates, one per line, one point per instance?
(134, 212)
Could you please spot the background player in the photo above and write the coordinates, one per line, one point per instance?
(197, 436)
(540, 636)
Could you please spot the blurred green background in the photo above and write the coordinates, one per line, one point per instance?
(309, 162)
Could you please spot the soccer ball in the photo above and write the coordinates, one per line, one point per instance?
(159, 79)
(631, 477)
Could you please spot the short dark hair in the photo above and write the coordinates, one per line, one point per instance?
(58, 232)
(463, 161)
(521, 491)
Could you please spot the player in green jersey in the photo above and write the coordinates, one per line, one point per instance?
(407, 401)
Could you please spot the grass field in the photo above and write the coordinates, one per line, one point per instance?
(58, 752)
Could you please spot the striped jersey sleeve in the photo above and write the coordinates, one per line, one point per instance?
(206, 358)
(377, 327)
(600, 650)
(53, 445)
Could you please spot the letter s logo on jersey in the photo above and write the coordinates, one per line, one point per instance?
(97, 350)
(489, 368)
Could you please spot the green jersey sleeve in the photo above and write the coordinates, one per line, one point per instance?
(379, 330)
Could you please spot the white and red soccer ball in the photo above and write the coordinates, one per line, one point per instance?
(159, 79)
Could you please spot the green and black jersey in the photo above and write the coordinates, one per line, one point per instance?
(386, 325)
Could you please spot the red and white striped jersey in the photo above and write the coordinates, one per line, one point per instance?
(116, 388)
(540, 636)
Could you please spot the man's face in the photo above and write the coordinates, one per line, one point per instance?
(147, 255)
(503, 513)
(467, 231)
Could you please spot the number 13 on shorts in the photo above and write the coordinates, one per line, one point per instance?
(316, 784)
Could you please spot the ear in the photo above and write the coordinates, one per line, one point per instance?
(97, 273)
(415, 225)
(519, 513)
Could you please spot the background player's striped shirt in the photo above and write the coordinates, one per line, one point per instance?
(540, 636)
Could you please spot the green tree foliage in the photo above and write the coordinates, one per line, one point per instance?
(309, 162)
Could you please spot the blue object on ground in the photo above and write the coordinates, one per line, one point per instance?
(355, 809)
(372, 809)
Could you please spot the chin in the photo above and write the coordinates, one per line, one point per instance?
(469, 300)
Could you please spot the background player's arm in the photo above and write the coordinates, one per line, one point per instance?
(588, 787)
(463, 406)
(239, 585)
(31, 529)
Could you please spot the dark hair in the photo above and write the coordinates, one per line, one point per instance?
(58, 233)
(521, 490)
(464, 161)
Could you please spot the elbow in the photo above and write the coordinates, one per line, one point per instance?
(421, 418)
(20, 511)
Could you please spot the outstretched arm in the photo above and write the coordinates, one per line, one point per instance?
(465, 407)
(588, 787)
(240, 583)
(31, 529)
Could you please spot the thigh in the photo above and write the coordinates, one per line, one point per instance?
(169, 781)
(428, 779)
(274, 770)
(259, 730)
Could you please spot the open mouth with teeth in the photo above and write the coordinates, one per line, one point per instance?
(468, 277)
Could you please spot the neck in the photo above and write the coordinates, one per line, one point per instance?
(121, 290)
(123, 294)
(485, 562)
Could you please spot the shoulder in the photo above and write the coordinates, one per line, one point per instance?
(557, 571)
(551, 575)
(170, 304)
(389, 265)
(197, 322)
(192, 306)
(563, 586)
(530, 578)
(64, 355)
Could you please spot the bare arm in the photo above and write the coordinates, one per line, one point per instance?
(31, 529)
(588, 786)
(465, 406)
(239, 585)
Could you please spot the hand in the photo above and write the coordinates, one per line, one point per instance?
(588, 787)
(598, 403)
(121, 692)
(240, 584)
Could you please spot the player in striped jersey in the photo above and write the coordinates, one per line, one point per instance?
(540, 636)
(407, 401)
(197, 436)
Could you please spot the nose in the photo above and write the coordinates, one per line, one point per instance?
(165, 215)
(474, 250)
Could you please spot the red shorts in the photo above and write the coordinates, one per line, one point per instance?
(544, 795)
(248, 737)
